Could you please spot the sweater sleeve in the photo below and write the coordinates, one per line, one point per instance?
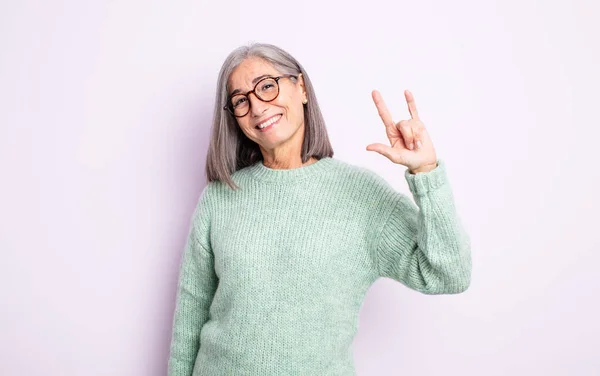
(196, 287)
(424, 246)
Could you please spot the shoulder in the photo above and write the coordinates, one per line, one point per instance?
(361, 177)
(374, 191)
(212, 193)
(206, 200)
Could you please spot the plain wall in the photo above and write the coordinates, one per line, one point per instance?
(104, 123)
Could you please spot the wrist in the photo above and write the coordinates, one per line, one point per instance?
(425, 168)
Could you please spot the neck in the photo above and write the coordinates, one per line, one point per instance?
(291, 175)
(286, 163)
(285, 157)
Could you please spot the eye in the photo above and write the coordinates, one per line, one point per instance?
(239, 101)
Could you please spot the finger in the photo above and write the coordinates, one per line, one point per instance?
(418, 138)
(407, 133)
(419, 131)
(412, 107)
(382, 149)
(382, 109)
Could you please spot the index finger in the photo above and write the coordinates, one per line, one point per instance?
(412, 107)
(382, 109)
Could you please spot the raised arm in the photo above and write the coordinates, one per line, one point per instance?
(424, 246)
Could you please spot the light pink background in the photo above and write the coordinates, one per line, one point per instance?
(104, 122)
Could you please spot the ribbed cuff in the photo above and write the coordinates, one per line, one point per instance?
(423, 182)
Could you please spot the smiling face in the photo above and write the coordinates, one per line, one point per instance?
(284, 115)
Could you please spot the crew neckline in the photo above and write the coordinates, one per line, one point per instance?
(264, 173)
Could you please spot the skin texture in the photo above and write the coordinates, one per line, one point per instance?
(411, 145)
(281, 145)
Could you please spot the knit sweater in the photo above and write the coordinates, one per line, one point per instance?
(273, 275)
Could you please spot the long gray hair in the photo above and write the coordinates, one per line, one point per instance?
(230, 149)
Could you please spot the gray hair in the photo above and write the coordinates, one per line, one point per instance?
(230, 149)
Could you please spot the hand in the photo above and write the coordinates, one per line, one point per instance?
(411, 145)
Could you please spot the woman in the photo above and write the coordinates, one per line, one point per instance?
(286, 240)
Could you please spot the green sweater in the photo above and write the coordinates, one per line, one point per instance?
(273, 275)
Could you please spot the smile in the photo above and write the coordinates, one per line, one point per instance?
(268, 124)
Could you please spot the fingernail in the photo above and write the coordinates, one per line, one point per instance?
(411, 146)
(419, 144)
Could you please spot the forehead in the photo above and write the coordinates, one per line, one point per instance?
(248, 70)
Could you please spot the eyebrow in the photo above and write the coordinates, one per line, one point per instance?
(254, 81)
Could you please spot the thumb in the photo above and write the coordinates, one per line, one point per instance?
(382, 149)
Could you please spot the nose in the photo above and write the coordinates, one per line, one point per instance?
(257, 107)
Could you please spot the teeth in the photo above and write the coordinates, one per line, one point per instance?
(269, 122)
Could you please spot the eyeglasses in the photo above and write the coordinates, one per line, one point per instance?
(267, 89)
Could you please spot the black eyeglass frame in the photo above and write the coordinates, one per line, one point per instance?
(229, 106)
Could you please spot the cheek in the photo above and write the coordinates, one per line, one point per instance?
(245, 125)
(293, 113)
(297, 112)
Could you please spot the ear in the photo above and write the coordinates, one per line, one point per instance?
(301, 83)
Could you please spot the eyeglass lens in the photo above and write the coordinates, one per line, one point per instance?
(266, 90)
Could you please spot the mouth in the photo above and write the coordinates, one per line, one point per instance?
(269, 123)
